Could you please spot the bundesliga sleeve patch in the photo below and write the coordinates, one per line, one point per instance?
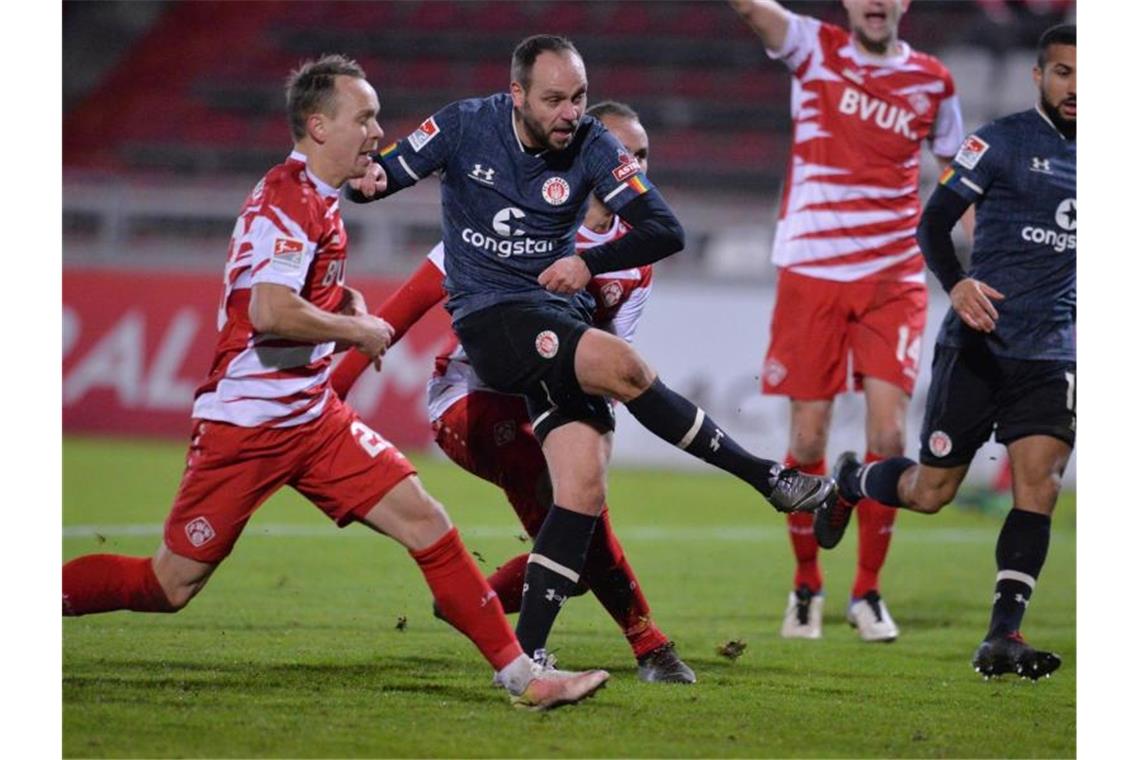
(288, 254)
(425, 134)
(972, 151)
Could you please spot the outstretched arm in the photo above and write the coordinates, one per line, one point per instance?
(402, 309)
(767, 18)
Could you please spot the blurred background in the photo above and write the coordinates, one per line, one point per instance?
(172, 110)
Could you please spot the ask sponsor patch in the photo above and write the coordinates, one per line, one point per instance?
(972, 151)
(423, 135)
(627, 168)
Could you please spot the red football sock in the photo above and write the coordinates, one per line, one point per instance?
(608, 574)
(802, 535)
(507, 582)
(876, 524)
(465, 599)
(108, 582)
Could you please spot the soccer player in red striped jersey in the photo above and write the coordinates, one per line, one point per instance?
(266, 416)
(851, 285)
(489, 434)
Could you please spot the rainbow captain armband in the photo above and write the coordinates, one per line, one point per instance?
(385, 152)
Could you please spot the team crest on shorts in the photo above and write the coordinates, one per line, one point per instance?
(774, 372)
(199, 531)
(940, 443)
(546, 344)
(555, 191)
(504, 432)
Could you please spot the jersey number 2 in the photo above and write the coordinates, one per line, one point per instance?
(368, 439)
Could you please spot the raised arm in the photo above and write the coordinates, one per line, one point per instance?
(767, 18)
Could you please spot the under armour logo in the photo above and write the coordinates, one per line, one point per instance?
(714, 444)
(483, 175)
(1021, 600)
(553, 596)
(1041, 165)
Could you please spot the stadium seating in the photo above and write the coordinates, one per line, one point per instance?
(715, 107)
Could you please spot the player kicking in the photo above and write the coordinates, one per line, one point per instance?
(851, 286)
(489, 433)
(1005, 362)
(516, 169)
(266, 416)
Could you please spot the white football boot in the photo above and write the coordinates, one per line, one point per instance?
(803, 619)
(869, 616)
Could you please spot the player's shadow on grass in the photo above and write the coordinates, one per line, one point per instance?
(146, 681)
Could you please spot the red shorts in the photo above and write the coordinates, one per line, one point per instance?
(820, 326)
(489, 435)
(336, 461)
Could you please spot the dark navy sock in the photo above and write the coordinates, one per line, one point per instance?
(878, 481)
(552, 573)
(676, 420)
(1020, 553)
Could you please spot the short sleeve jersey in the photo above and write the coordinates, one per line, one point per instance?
(289, 233)
(509, 213)
(849, 207)
(1021, 173)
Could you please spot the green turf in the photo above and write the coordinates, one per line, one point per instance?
(293, 650)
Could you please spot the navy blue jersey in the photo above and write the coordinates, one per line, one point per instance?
(509, 214)
(1022, 175)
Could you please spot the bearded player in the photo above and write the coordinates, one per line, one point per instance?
(489, 433)
(1006, 362)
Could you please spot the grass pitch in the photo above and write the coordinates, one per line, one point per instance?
(293, 648)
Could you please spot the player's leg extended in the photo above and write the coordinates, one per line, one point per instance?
(489, 435)
(218, 493)
(577, 453)
(107, 582)
(803, 616)
(608, 366)
(1038, 462)
(886, 423)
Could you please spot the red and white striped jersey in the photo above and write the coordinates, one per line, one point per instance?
(620, 299)
(850, 202)
(289, 233)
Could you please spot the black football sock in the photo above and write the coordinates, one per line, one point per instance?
(1021, 549)
(878, 481)
(552, 573)
(676, 420)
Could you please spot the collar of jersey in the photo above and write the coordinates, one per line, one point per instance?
(888, 62)
(515, 129)
(324, 188)
(1052, 126)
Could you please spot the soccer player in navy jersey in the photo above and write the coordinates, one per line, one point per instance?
(516, 169)
(1005, 362)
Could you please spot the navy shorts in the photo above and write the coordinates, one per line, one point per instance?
(528, 348)
(974, 394)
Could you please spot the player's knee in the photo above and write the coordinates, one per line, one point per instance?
(632, 375)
